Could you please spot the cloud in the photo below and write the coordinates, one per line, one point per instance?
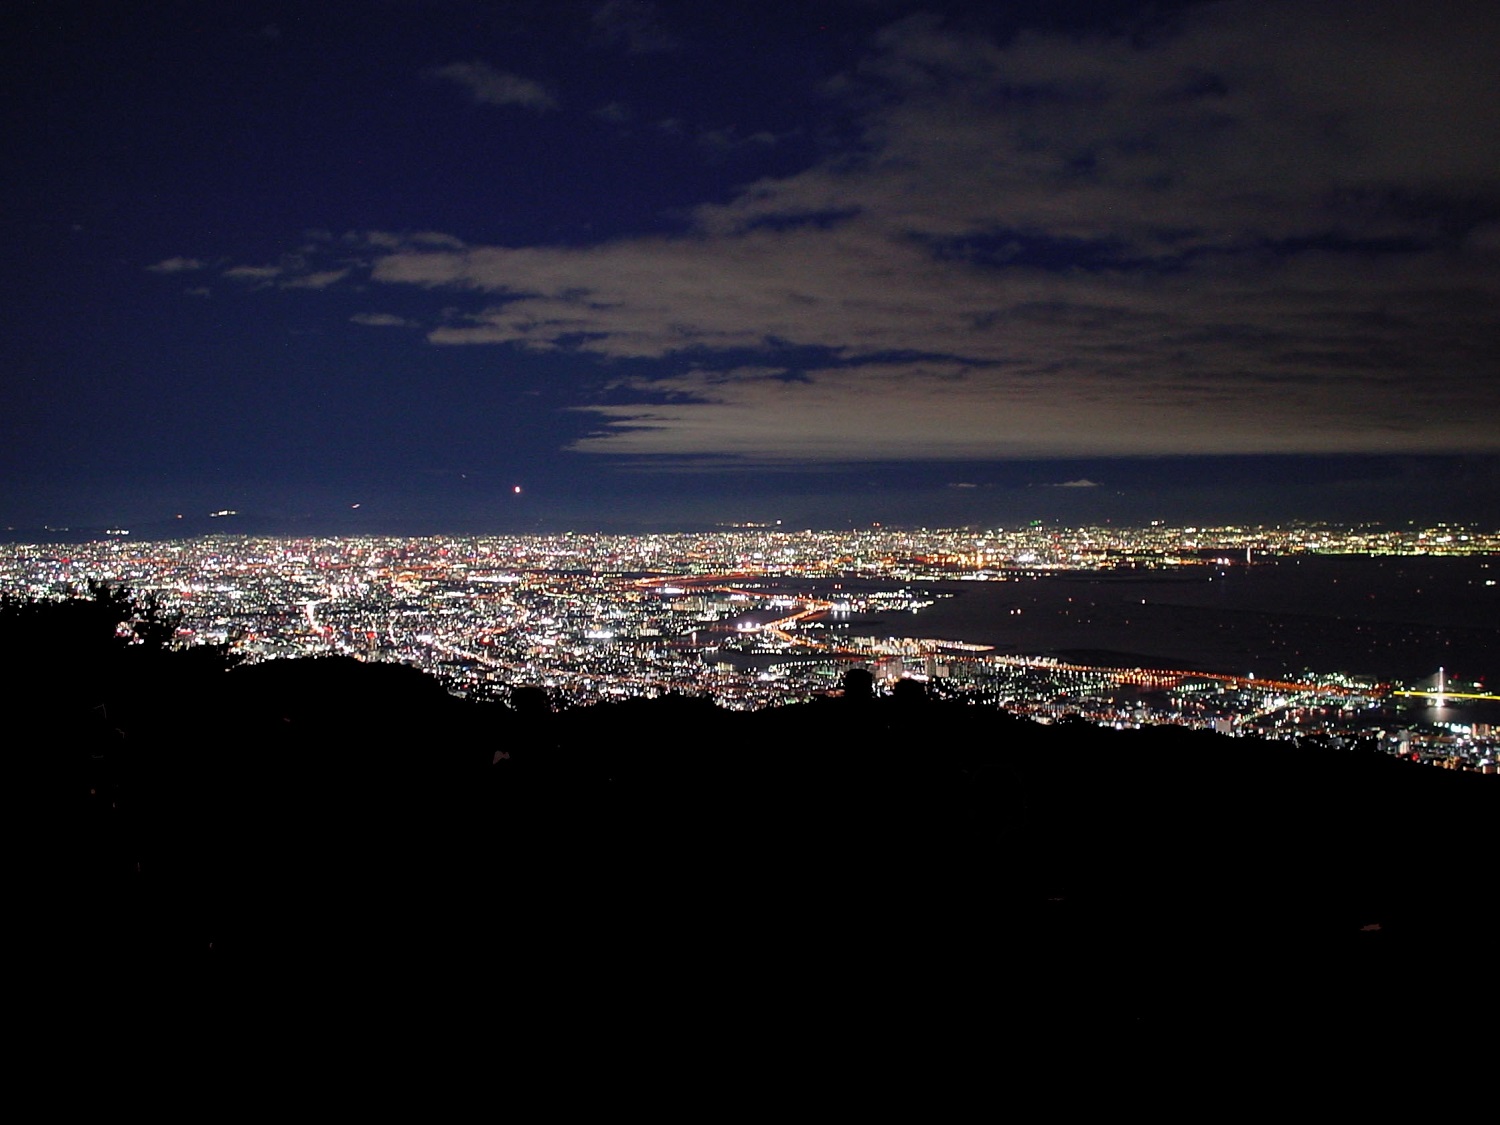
(386, 241)
(1253, 121)
(177, 265)
(383, 320)
(1264, 228)
(615, 113)
(263, 274)
(635, 25)
(932, 411)
(1082, 482)
(724, 142)
(1484, 239)
(489, 86)
(320, 280)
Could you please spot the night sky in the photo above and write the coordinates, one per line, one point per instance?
(371, 265)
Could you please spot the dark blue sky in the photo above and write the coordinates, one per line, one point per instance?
(672, 264)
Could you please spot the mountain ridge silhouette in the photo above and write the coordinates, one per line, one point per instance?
(183, 808)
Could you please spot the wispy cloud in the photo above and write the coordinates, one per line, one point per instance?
(177, 265)
(724, 142)
(616, 113)
(636, 25)
(321, 279)
(384, 241)
(383, 320)
(489, 86)
(261, 274)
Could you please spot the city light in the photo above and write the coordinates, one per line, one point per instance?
(758, 616)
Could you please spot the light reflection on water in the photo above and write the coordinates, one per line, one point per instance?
(1386, 618)
(1466, 712)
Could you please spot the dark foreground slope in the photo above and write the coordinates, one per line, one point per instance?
(844, 856)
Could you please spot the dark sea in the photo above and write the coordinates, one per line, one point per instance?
(1395, 619)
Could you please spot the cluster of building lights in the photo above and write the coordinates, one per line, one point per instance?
(593, 617)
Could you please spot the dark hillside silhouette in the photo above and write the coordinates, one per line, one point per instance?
(183, 807)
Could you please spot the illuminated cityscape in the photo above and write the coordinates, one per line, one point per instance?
(933, 540)
(756, 616)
